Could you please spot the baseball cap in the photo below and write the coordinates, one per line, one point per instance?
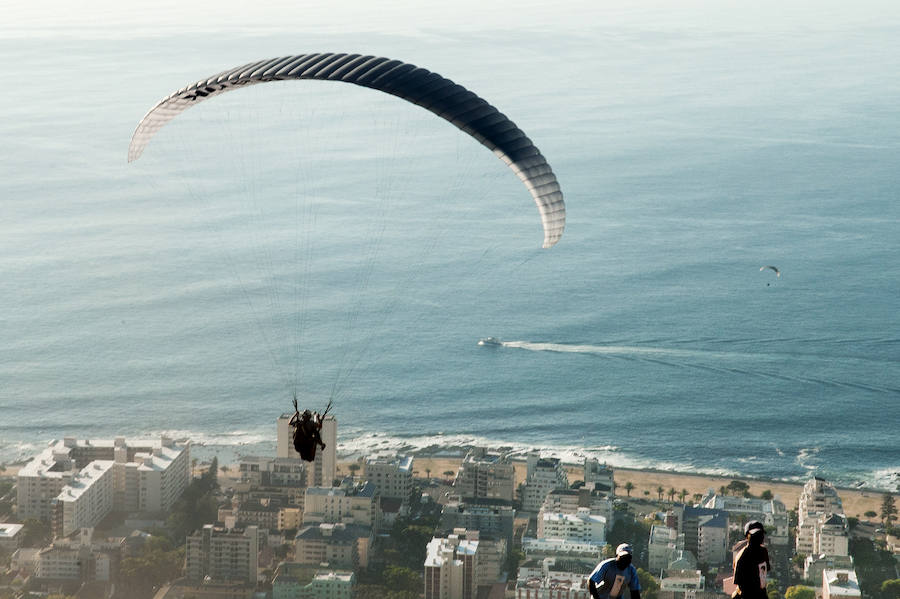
(624, 549)
(753, 527)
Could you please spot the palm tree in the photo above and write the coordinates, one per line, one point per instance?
(449, 473)
(629, 486)
(723, 490)
(660, 491)
(428, 473)
(682, 494)
(671, 493)
(353, 467)
(698, 497)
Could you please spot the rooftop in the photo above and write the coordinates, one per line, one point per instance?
(8, 531)
(81, 482)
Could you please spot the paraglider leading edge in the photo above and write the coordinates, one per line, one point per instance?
(446, 99)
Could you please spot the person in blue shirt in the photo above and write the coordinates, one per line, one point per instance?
(609, 578)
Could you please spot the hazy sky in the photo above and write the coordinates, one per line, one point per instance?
(115, 18)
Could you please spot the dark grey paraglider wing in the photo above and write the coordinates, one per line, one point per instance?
(443, 97)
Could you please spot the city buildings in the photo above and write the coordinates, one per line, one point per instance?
(543, 475)
(599, 476)
(351, 503)
(75, 483)
(552, 578)
(10, 536)
(840, 584)
(818, 497)
(344, 546)
(771, 512)
(581, 526)
(222, 554)
(392, 476)
(452, 567)
(705, 532)
(486, 475)
(491, 520)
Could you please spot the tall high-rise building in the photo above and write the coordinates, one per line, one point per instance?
(451, 566)
(323, 469)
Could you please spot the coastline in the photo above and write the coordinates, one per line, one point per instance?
(856, 502)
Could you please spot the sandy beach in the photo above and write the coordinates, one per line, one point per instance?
(856, 502)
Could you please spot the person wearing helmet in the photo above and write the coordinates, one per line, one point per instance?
(609, 578)
(751, 563)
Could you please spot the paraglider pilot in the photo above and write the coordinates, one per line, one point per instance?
(751, 563)
(609, 578)
(307, 435)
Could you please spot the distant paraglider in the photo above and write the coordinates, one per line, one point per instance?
(773, 268)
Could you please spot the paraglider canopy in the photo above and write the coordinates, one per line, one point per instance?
(439, 95)
(773, 268)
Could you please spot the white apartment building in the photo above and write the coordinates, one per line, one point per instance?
(831, 535)
(79, 558)
(85, 500)
(771, 512)
(275, 472)
(712, 539)
(145, 475)
(487, 475)
(348, 504)
(683, 581)
(562, 549)
(840, 584)
(222, 554)
(570, 500)
(813, 566)
(392, 476)
(451, 568)
(331, 585)
(10, 535)
(663, 546)
(817, 499)
(581, 527)
(596, 473)
(546, 579)
(543, 475)
(323, 469)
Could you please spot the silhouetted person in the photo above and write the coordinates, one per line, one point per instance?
(751, 563)
(307, 432)
(609, 578)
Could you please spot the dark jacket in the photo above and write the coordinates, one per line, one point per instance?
(751, 570)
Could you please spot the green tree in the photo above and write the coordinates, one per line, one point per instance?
(738, 487)
(671, 493)
(682, 494)
(767, 495)
(659, 492)
(399, 578)
(353, 467)
(871, 514)
(649, 584)
(629, 487)
(888, 510)
(449, 473)
(35, 533)
(890, 589)
(800, 592)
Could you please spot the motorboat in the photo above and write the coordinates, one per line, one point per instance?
(490, 342)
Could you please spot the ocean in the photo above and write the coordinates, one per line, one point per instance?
(332, 242)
